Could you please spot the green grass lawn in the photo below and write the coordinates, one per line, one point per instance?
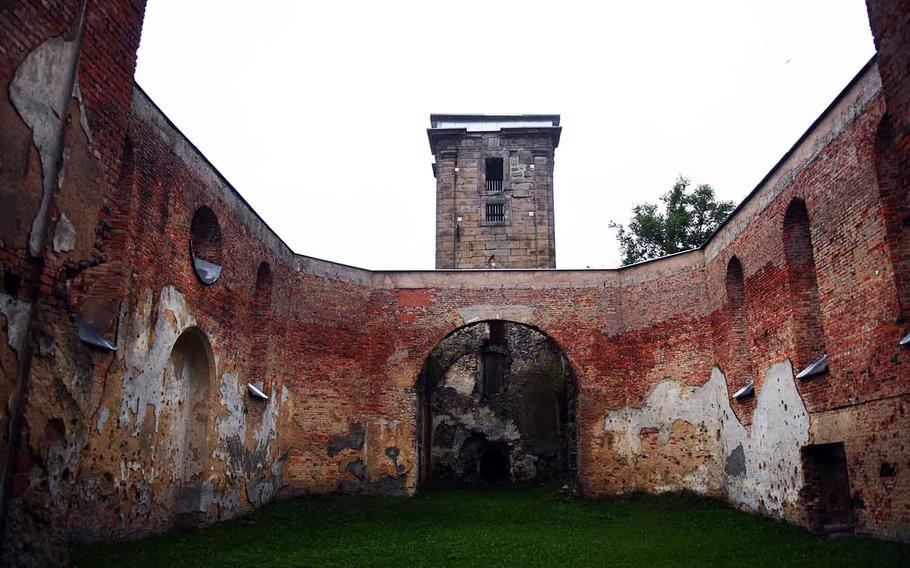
(509, 526)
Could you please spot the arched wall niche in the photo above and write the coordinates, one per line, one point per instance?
(261, 328)
(739, 344)
(262, 293)
(189, 377)
(894, 190)
(808, 335)
(736, 286)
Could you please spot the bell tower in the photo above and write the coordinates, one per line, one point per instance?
(494, 190)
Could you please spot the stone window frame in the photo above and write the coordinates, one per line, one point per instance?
(502, 180)
(506, 210)
(493, 152)
(502, 152)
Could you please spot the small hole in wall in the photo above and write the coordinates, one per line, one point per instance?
(55, 431)
(11, 282)
(887, 470)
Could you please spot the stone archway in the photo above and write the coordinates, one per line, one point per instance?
(496, 404)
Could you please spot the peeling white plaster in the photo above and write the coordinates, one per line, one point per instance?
(40, 92)
(234, 422)
(780, 427)
(668, 401)
(462, 377)
(103, 414)
(153, 393)
(64, 235)
(17, 314)
(146, 352)
(83, 119)
(268, 428)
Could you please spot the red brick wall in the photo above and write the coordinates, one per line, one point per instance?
(339, 348)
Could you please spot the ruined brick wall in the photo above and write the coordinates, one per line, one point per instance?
(104, 446)
(526, 236)
(890, 22)
(652, 345)
(582, 311)
(162, 431)
(283, 322)
(66, 78)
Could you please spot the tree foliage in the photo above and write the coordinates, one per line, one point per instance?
(687, 219)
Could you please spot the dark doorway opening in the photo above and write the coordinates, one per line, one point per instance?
(496, 404)
(826, 488)
(494, 465)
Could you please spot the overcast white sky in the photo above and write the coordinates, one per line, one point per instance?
(317, 111)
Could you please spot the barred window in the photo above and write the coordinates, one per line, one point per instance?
(495, 213)
(494, 174)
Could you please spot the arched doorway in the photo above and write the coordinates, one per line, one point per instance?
(496, 404)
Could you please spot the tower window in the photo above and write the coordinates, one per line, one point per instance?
(494, 174)
(496, 213)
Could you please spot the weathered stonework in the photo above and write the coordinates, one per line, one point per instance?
(109, 445)
(463, 146)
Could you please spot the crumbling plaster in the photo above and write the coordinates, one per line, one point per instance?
(40, 91)
(16, 313)
(242, 466)
(758, 469)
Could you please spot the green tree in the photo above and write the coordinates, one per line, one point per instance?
(688, 218)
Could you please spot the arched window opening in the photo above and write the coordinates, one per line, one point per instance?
(739, 361)
(205, 245)
(188, 376)
(894, 190)
(261, 330)
(515, 377)
(808, 335)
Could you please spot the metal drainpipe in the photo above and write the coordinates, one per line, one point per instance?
(534, 207)
(455, 211)
(36, 267)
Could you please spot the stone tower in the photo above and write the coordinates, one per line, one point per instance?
(494, 189)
